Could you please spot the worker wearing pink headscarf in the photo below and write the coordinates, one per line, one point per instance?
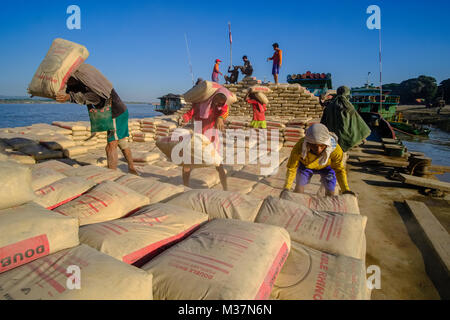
(212, 114)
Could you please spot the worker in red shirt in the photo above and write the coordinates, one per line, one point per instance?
(212, 114)
(216, 72)
(277, 60)
(259, 109)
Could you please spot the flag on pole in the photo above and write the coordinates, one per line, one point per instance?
(229, 28)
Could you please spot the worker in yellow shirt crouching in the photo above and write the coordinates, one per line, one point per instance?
(317, 153)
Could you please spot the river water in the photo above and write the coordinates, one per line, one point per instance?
(436, 146)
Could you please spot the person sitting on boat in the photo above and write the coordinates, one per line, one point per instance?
(317, 153)
(341, 117)
(212, 114)
(87, 86)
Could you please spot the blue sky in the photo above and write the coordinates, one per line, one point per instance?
(140, 46)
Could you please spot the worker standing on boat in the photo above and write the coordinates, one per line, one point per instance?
(87, 86)
(317, 153)
(216, 72)
(341, 117)
(277, 60)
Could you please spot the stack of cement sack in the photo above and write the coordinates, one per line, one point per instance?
(189, 242)
(164, 129)
(286, 101)
(35, 241)
(327, 249)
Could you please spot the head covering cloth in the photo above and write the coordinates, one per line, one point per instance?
(94, 80)
(319, 134)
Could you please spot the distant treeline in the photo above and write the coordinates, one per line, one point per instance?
(423, 87)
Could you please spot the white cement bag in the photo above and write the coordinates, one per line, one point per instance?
(203, 152)
(223, 260)
(345, 203)
(220, 204)
(136, 239)
(75, 151)
(107, 201)
(63, 58)
(62, 191)
(337, 233)
(155, 191)
(201, 92)
(41, 177)
(262, 98)
(54, 165)
(310, 274)
(94, 173)
(15, 184)
(29, 232)
(101, 277)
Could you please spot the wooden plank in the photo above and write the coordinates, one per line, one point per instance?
(424, 182)
(433, 230)
(440, 168)
(385, 162)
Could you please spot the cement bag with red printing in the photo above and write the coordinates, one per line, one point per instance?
(155, 191)
(15, 184)
(94, 173)
(62, 191)
(223, 260)
(345, 203)
(219, 204)
(58, 277)
(63, 58)
(29, 232)
(107, 201)
(134, 240)
(42, 176)
(177, 146)
(332, 232)
(309, 274)
(263, 89)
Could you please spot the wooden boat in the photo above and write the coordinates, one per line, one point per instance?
(409, 129)
(378, 125)
(170, 104)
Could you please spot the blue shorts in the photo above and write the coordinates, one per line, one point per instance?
(276, 68)
(327, 177)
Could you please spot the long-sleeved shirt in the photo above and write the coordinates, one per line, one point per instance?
(258, 110)
(277, 57)
(312, 162)
(209, 122)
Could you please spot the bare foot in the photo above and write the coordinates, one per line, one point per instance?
(133, 171)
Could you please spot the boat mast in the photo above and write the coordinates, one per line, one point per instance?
(189, 59)
(381, 72)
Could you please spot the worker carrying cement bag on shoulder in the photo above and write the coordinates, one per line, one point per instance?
(212, 114)
(87, 86)
(340, 117)
(317, 153)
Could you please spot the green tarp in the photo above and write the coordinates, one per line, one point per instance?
(341, 118)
